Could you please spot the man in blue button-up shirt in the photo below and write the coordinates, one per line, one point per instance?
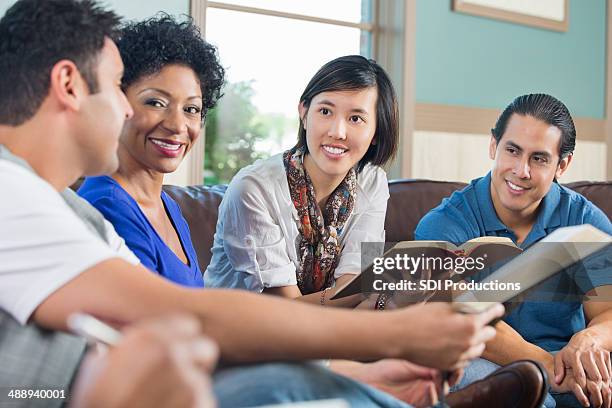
(532, 145)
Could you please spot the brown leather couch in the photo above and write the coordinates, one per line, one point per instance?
(410, 201)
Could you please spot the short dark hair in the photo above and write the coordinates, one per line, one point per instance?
(34, 36)
(354, 72)
(147, 46)
(545, 108)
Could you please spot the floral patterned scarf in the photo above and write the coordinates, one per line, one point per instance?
(319, 247)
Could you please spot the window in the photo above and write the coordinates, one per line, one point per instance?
(271, 48)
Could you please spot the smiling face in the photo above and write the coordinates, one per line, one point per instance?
(526, 163)
(339, 128)
(167, 118)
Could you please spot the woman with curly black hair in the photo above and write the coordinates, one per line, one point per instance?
(171, 78)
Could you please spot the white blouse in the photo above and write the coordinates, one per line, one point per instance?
(257, 239)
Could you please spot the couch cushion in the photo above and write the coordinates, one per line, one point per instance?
(600, 193)
(199, 205)
(410, 200)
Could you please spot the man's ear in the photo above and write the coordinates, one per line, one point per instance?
(67, 85)
(563, 165)
(492, 148)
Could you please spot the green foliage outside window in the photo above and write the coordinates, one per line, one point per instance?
(237, 134)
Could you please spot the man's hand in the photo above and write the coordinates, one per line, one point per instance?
(159, 363)
(593, 395)
(596, 394)
(600, 394)
(568, 385)
(587, 359)
(444, 339)
(589, 363)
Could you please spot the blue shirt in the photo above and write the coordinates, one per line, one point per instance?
(132, 225)
(469, 214)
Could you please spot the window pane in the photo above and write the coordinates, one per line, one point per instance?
(354, 11)
(267, 70)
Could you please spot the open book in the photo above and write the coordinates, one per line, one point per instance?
(437, 257)
(554, 253)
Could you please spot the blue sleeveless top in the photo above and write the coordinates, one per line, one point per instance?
(132, 225)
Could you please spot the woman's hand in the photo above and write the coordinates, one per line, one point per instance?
(411, 383)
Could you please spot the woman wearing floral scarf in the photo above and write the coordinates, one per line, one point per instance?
(293, 224)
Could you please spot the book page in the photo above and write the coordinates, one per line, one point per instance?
(559, 250)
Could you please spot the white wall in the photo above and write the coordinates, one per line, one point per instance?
(463, 157)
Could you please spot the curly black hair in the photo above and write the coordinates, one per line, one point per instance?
(147, 46)
(34, 36)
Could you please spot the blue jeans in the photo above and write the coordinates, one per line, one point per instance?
(481, 368)
(275, 383)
